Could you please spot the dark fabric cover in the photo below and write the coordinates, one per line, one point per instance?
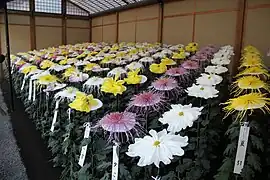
(2, 3)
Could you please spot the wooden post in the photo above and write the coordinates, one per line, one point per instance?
(194, 22)
(117, 27)
(90, 30)
(64, 22)
(160, 23)
(32, 25)
(240, 25)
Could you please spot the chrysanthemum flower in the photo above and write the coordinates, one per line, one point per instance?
(176, 72)
(70, 71)
(146, 102)
(113, 85)
(146, 60)
(179, 56)
(201, 91)
(68, 93)
(85, 103)
(190, 65)
(47, 79)
(220, 61)
(168, 62)
(248, 102)
(134, 65)
(78, 77)
(159, 147)
(134, 77)
(209, 79)
(119, 71)
(93, 84)
(180, 117)
(249, 83)
(158, 68)
(251, 61)
(26, 69)
(215, 69)
(168, 86)
(254, 71)
(122, 126)
(46, 64)
(54, 87)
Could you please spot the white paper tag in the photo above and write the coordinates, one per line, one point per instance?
(241, 149)
(82, 156)
(34, 89)
(87, 130)
(30, 90)
(23, 83)
(115, 163)
(55, 115)
(69, 113)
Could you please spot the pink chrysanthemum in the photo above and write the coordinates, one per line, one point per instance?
(122, 126)
(190, 65)
(175, 72)
(168, 86)
(146, 102)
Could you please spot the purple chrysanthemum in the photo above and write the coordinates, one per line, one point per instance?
(122, 126)
(146, 102)
(190, 65)
(168, 86)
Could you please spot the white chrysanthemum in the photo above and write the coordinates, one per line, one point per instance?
(159, 147)
(38, 75)
(201, 91)
(66, 94)
(209, 79)
(81, 63)
(216, 69)
(180, 117)
(134, 65)
(220, 61)
(159, 55)
(93, 84)
(78, 77)
(54, 87)
(59, 58)
(116, 71)
(146, 60)
(58, 67)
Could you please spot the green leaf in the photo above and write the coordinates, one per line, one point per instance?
(256, 142)
(124, 173)
(106, 176)
(83, 173)
(103, 165)
(170, 176)
(205, 164)
(254, 161)
(230, 149)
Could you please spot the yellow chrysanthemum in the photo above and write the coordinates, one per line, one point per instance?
(113, 85)
(158, 68)
(83, 55)
(168, 61)
(251, 49)
(133, 51)
(251, 61)
(106, 59)
(120, 54)
(47, 79)
(69, 71)
(192, 47)
(254, 71)
(133, 77)
(84, 103)
(46, 64)
(29, 69)
(249, 84)
(180, 55)
(245, 103)
(63, 62)
(20, 62)
(89, 67)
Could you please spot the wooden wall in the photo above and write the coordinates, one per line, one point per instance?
(48, 32)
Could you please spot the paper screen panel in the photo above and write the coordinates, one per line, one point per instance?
(109, 33)
(178, 7)
(97, 21)
(257, 2)
(129, 15)
(216, 28)
(127, 32)
(147, 31)
(48, 21)
(148, 12)
(78, 23)
(76, 35)
(97, 34)
(177, 30)
(206, 5)
(48, 37)
(257, 31)
(110, 19)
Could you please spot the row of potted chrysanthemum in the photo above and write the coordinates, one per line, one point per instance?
(250, 92)
(37, 116)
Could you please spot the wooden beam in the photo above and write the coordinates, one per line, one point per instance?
(117, 27)
(32, 25)
(194, 21)
(64, 22)
(240, 25)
